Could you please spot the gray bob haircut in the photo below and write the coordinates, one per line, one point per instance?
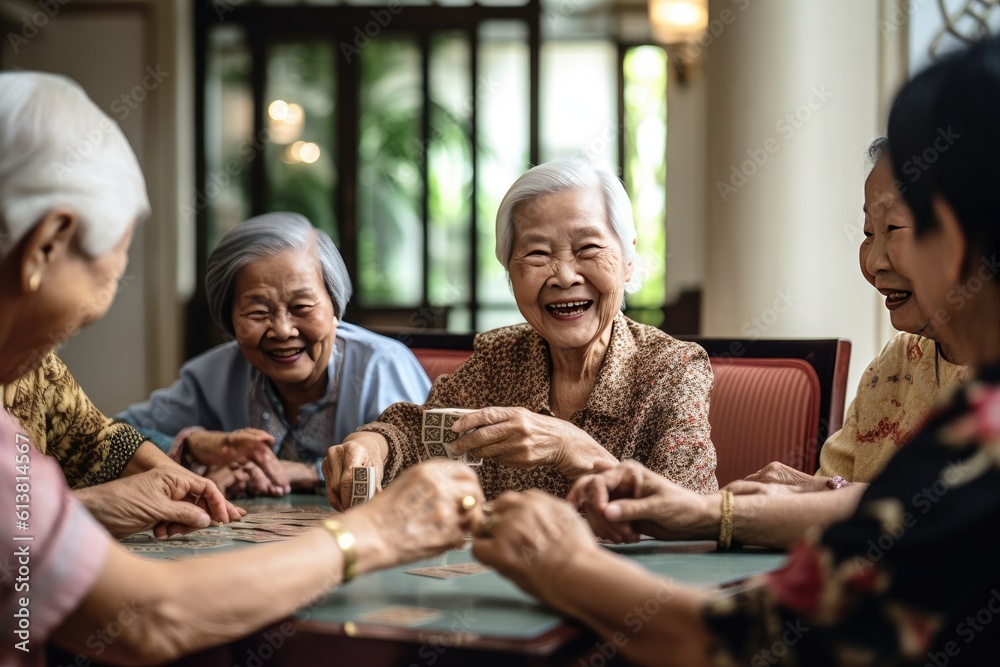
(260, 238)
(58, 149)
(570, 174)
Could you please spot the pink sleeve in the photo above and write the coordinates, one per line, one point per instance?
(52, 548)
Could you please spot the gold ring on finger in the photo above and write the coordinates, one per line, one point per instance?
(468, 502)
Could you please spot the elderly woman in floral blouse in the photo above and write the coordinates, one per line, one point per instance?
(577, 388)
(911, 577)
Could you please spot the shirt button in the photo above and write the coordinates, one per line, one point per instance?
(266, 415)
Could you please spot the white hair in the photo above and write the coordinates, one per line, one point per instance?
(57, 149)
(570, 174)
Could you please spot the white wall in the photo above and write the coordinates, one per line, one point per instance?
(795, 94)
(111, 48)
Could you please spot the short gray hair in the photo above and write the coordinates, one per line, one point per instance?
(877, 149)
(570, 174)
(266, 236)
(57, 149)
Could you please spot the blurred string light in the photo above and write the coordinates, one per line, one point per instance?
(301, 151)
(286, 121)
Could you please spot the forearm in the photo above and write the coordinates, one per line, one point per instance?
(104, 504)
(184, 607)
(778, 520)
(585, 456)
(146, 457)
(652, 621)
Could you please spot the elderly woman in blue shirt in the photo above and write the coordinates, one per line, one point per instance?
(257, 414)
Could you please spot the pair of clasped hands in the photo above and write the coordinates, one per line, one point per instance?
(529, 537)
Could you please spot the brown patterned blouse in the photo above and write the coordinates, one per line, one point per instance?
(650, 403)
(63, 423)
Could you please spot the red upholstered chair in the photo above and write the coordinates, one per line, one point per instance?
(438, 362)
(774, 400)
(764, 410)
(438, 352)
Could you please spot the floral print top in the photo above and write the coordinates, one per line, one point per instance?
(910, 579)
(650, 403)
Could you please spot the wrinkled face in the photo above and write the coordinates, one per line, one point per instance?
(283, 320)
(567, 268)
(887, 253)
(75, 291)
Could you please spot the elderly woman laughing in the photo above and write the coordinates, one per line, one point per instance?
(577, 388)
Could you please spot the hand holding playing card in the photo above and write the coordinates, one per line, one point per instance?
(531, 538)
(630, 499)
(520, 438)
(419, 515)
(358, 450)
(169, 499)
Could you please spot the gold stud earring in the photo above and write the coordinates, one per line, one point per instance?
(34, 282)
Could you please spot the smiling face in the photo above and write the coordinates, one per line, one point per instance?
(567, 269)
(284, 323)
(887, 253)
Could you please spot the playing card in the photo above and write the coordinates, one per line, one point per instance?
(257, 536)
(469, 568)
(437, 436)
(437, 572)
(401, 615)
(363, 488)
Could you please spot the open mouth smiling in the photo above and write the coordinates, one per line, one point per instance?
(569, 308)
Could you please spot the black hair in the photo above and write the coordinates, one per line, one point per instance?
(877, 149)
(944, 133)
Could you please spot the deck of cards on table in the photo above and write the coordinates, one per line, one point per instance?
(437, 436)
(363, 486)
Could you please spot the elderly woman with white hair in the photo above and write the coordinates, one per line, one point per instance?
(577, 388)
(295, 380)
(64, 241)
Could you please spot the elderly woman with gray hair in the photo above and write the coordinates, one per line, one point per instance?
(263, 409)
(577, 388)
(64, 242)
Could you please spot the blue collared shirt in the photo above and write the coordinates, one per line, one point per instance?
(220, 391)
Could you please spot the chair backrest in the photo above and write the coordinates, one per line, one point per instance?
(438, 352)
(764, 410)
(774, 400)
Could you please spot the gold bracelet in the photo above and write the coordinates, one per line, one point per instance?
(726, 525)
(348, 547)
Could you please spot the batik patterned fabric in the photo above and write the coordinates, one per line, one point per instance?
(910, 579)
(61, 421)
(649, 403)
(896, 393)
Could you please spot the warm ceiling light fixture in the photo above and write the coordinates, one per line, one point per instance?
(678, 21)
(677, 24)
